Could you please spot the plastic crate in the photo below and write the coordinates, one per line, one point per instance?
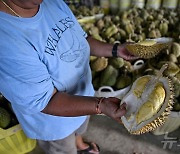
(14, 141)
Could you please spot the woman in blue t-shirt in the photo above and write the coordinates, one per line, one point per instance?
(45, 73)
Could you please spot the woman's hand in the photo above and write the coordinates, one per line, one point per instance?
(124, 53)
(112, 108)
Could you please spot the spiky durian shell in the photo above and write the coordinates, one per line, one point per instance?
(148, 51)
(161, 116)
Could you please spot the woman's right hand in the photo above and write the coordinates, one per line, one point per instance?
(112, 108)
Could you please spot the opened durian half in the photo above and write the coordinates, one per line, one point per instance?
(149, 48)
(149, 103)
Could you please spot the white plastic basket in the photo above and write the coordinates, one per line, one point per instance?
(106, 91)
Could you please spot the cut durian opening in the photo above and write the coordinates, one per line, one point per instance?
(152, 105)
(149, 48)
(147, 42)
(149, 103)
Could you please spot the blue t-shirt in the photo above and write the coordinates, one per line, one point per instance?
(37, 54)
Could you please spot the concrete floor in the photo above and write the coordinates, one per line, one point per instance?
(113, 138)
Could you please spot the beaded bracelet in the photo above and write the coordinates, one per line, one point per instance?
(98, 109)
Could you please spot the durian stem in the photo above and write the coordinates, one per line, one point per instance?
(159, 74)
(154, 80)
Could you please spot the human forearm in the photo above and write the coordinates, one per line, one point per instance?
(63, 104)
(102, 49)
(99, 48)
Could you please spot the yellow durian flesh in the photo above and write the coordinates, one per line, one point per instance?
(147, 42)
(151, 107)
(153, 104)
(140, 86)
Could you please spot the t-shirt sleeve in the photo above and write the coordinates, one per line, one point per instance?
(24, 79)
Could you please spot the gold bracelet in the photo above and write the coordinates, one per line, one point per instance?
(98, 109)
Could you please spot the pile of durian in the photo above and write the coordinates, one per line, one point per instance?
(152, 96)
(149, 102)
(84, 11)
(136, 25)
(150, 106)
(7, 116)
(119, 73)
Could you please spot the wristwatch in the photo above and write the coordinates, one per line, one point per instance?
(114, 49)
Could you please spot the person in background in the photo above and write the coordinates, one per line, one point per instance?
(45, 73)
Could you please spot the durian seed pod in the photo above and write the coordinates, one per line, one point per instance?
(149, 103)
(149, 48)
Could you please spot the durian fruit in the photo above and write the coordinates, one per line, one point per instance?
(176, 106)
(172, 69)
(123, 81)
(111, 31)
(149, 103)
(148, 48)
(163, 27)
(5, 118)
(108, 76)
(99, 64)
(92, 58)
(116, 62)
(176, 82)
(176, 49)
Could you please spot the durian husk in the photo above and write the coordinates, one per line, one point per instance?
(160, 118)
(149, 50)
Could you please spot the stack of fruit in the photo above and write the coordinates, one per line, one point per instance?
(135, 25)
(7, 116)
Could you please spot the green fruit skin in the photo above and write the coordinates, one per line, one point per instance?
(5, 118)
(116, 62)
(122, 82)
(108, 76)
(176, 107)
